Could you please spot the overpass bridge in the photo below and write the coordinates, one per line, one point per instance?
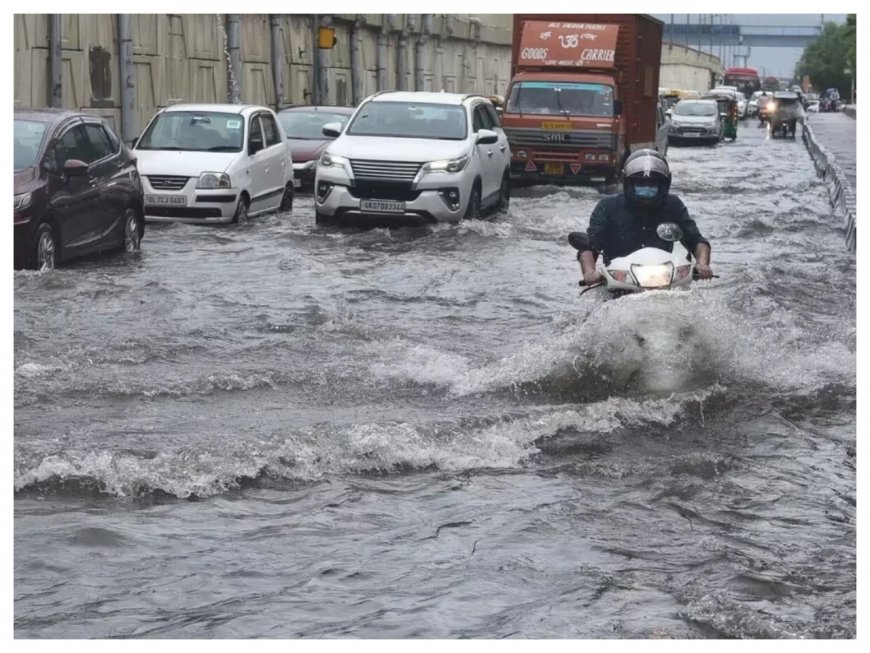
(762, 36)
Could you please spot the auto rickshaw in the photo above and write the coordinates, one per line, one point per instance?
(784, 112)
(727, 101)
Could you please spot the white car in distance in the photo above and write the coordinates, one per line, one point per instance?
(421, 156)
(204, 163)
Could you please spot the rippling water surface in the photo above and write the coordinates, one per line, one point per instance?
(279, 430)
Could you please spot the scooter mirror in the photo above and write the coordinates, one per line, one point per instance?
(669, 231)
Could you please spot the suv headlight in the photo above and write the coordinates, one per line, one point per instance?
(328, 160)
(447, 165)
(22, 201)
(213, 180)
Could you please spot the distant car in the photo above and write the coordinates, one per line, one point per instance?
(435, 157)
(304, 129)
(206, 163)
(695, 120)
(77, 190)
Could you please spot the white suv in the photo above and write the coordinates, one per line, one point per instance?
(432, 156)
(214, 163)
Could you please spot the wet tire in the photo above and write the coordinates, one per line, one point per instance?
(472, 211)
(504, 195)
(241, 214)
(45, 250)
(132, 231)
(287, 199)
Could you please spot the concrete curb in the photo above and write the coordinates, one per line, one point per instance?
(850, 110)
(839, 188)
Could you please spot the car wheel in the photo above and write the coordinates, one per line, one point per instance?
(504, 195)
(241, 214)
(472, 211)
(287, 199)
(44, 248)
(132, 238)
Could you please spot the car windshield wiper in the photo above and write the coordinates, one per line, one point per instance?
(222, 148)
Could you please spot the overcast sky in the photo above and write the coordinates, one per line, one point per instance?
(779, 62)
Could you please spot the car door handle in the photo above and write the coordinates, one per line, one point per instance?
(489, 153)
(501, 147)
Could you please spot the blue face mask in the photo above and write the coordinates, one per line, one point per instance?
(645, 192)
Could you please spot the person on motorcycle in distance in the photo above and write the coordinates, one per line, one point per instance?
(623, 223)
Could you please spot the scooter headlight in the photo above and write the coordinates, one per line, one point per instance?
(653, 276)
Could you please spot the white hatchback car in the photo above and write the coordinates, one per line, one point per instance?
(436, 157)
(214, 163)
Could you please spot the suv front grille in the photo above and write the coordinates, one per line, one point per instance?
(167, 182)
(384, 170)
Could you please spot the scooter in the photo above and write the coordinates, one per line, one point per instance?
(648, 268)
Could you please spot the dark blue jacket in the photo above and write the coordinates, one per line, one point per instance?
(617, 229)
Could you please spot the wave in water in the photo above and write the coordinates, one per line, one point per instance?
(472, 443)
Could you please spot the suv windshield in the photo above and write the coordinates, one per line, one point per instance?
(196, 131)
(561, 98)
(28, 138)
(410, 120)
(309, 124)
(696, 108)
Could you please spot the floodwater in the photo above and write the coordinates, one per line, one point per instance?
(278, 430)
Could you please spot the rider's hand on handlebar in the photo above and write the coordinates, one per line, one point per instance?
(704, 271)
(592, 277)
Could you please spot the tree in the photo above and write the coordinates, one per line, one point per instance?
(826, 59)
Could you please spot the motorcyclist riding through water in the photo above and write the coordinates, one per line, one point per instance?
(623, 223)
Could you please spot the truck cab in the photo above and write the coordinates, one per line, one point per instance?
(561, 123)
(583, 95)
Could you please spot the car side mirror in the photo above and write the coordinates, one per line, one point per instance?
(617, 107)
(75, 168)
(486, 137)
(669, 113)
(332, 129)
(255, 145)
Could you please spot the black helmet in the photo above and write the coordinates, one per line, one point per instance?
(646, 178)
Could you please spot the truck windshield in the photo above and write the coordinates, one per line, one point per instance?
(410, 120)
(565, 98)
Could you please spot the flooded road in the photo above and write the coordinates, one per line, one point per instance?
(279, 430)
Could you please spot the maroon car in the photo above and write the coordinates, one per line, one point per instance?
(77, 189)
(303, 126)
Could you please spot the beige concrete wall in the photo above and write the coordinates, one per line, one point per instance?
(687, 68)
(182, 58)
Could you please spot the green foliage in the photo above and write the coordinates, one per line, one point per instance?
(826, 59)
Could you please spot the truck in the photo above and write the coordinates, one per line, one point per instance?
(746, 80)
(583, 95)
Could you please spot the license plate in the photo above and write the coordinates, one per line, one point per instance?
(554, 169)
(166, 200)
(297, 183)
(693, 134)
(556, 126)
(382, 206)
